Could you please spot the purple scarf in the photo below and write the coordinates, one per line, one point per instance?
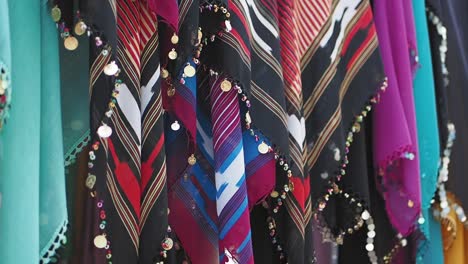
(395, 134)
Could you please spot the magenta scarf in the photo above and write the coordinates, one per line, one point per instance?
(395, 134)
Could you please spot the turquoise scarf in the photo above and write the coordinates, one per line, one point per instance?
(428, 137)
(33, 210)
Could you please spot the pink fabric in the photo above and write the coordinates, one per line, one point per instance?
(394, 117)
(168, 10)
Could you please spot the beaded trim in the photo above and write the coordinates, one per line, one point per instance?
(401, 243)
(112, 70)
(446, 203)
(277, 197)
(58, 240)
(80, 144)
(362, 214)
(5, 94)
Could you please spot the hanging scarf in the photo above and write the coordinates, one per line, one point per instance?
(340, 73)
(36, 127)
(428, 136)
(395, 141)
(52, 204)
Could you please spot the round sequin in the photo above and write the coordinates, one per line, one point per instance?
(167, 243)
(189, 70)
(365, 215)
(175, 126)
(263, 148)
(111, 68)
(90, 181)
(274, 194)
(200, 35)
(421, 220)
(100, 241)
(164, 73)
(104, 131)
(192, 160)
(80, 28)
(56, 14)
(174, 39)
(70, 43)
(226, 86)
(172, 54)
(370, 247)
(170, 92)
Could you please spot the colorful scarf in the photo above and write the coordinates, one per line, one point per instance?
(341, 72)
(395, 138)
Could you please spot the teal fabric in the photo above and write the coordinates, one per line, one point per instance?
(5, 56)
(75, 98)
(20, 139)
(428, 134)
(33, 209)
(52, 203)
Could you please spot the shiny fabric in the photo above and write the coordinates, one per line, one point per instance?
(394, 122)
(428, 135)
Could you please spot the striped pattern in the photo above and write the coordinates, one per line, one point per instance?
(290, 55)
(136, 166)
(310, 16)
(231, 191)
(335, 78)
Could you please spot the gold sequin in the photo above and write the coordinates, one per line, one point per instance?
(56, 14)
(174, 39)
(263, 148)
(70, 43)
(199, 36)
(164, 73)
(192, 160)
(80, 28)
(100, 241)
(170, 92)
(410, 203)
(172, 54)
(189, 70)
(90, 181)
(274, 194)
(226, 86)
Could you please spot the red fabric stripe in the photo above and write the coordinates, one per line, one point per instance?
(127, 180)
(147, 166)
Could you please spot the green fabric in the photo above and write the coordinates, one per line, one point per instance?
(428, 133)
(75, 98)
(5, 56)
(32, 183)
(20, 139)
(53, 207)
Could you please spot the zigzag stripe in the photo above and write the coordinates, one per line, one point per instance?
(123, 210)
(231, 202)
(295, 213)
(269, 103)
(337, 115)
(124, 136)
(152, 117)
(234, 40)
(96, 69)
(155, 189)
(184, 7)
